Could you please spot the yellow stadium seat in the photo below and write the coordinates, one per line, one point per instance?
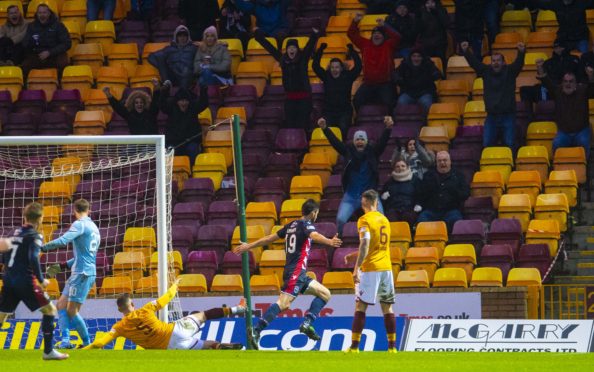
(544, 232)
(253, 233)
(33, 4)
(506, 44)
(478, 90)
(67, 169)
(412, 279)
(78, 77)
(11, 79)
(460, 255)
(487, 183)
(459, 69)
(89, 122)
(498, 159)
(336, 45)
(369, 22)
(219, 141)
(277, 244)
(338, 25)
(432, 234)
(102, 32)
(291, 210)
(546, 21)
(450, 277)
(114, 77)
(525, 182)
(301, 41)
(143, 239)
(320, 144)
(487, 277)
(210, 165)
(516, 206)
(519, 21)
(147, 285)
(253, 73)
(124, 55)
(435, 138)
(349, 7)
(563, 182)
(181, 170)
(132, 264)
(96, 100)
(115, 285)
(306, 187)
(227, 283)
(264, 283)
(226, 113)
(541, 42)
(400, 236)
(256, 53)
(423, 258)
(338, 280)
(454, 91)
(529, 69)
(143, 76)
(151, 48)
(553, 207)
(235, 48)
(174, 260)
(533, 158)
(530, 278)
(273, 262)
(261, 213)
(192, 283)
(571, 158)
(317, 163)
(475, 113)
(205, 118)
(46, 80)
(52, 215)
(445, 115)
(542, 133)
(55, 193)
(88, 54)
(53, 288)
(75, 11)
(47, 231)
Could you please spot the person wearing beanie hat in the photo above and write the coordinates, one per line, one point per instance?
(416, 78)
(198, 15)
(361, 170)
(406, 24)
(338, 84)
(294, 65)
(175, 62)
(212, 63)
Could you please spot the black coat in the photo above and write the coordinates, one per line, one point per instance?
(469, 18)
(558, 65)
(407, 28)
(144, 123)
(443, 194)
(571, 18)
(183, 125)
(417, 80)
(403, 194)
(52, 36)
(433, 29)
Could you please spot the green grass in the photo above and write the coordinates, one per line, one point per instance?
(207, 361)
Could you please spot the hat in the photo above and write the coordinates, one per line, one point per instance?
(379, 29)
(183, 94)
(360, 134)
(401, 2)
(292, 42)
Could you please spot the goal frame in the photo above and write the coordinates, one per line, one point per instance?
(161, 187)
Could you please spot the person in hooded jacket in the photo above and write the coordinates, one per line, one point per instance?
(212, 63)
(140, 109)
(46, 42)
(294, 64)
(433, 29)
(176, 61)
(416, 77)
(406, 24)
(399, 194)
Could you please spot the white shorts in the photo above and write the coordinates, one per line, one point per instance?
(185, 335)
(375, 285)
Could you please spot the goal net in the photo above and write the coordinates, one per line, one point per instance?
(127, 181)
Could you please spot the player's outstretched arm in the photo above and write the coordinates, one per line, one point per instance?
(167, 297)
(321, 239)
(101, 342)
(244, 247)
(74, 232)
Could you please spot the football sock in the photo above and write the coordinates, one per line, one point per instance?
(358, 325)
(390, 324)
(216, 313)
(81, 327)
(268, 317)
(64, 324)
(314, 309)
(47, 327)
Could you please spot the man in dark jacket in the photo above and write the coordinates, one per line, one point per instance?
(571, 15)
(470, 23)
(46, 42)
(442, 192)
(361, 169)
(416, 77)
(271, 15)
(406, 24)
(183, 129)
(198, 15)
(499, 82)
(176, 61)
(433, 29)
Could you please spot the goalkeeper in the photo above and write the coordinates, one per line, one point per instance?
(144, 328)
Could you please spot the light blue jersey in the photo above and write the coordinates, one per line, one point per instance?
(85, 237)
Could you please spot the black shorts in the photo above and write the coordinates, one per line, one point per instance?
(32, 295)
(295, 283)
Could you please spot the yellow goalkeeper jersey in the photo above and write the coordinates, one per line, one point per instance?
(375, 227)
(144, 328)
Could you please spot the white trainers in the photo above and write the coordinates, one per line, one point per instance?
(55, 355)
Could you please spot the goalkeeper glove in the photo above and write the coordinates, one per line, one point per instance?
(55, 269)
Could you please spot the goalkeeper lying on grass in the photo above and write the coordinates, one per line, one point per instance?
(144, 328)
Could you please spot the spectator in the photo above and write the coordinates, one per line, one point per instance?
(294, 64)
(442, 192)
(338, 83)
(405, 23)
(140, 110)
(378, 64)
(418, 158)
(361, 170)
(46, 42)
(198, 15)
(433, 26)
(175, 62)
(586, 59)
(212, 63)
(491, 15)
(416, 77)
(571, 15)
(469, 24)
(378, 6)
(399, 194)
(12, 34)
(141, 9)
(571, 108)
(95, 6)
(271, 15)
(183, 129)
(499, 82)
(234, 23)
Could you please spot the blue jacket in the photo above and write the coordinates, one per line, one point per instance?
(270, 14)
(179, 60)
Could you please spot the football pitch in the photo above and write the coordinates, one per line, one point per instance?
(177, 361)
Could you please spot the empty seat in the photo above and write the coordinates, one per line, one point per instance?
(273, 262)
(253, 233)
(227, 283)
(338, 280)
(46, 80)
(469, 231)
(486, 277)
(552, 207)
(574, 158)
(450, 277)
(461, 256)
(291, 210)
(530, 278)
(253, 73)
(192, 283)
(102, 32)
(542, 133)
(432, 234)
(264, 283)
(320, 144)
(115, 285)
(261, 213)
(445, 115)
(516, 206)
(90, 123)
(88, 54)
(400, 236)
(423, 258)
(525, 182)
(475, 112)
(435, 138)
(500, 256)
(563, 182)
(545, 232)
(78, 77)
(412, 279)
(114, 77)
(11, 79)
(306, 187)
(497, 159)
(533, 158)
(55, 193)
(219, 142)
(487, 183)
(317, 164)
(210, 165)
(143, 239)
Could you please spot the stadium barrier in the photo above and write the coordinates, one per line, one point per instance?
(567, 301)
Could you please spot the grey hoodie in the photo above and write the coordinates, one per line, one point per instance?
(178, 59)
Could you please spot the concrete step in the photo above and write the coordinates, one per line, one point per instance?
(567, 279)
(576, 257)
(585, 269)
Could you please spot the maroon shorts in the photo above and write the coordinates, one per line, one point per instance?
(31, 294)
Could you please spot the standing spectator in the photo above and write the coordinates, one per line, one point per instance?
(399, 194)
(416, 77)
(140, 110)
(571, 108)
(433, 29)
(271, 15)
(499, 82)
(338, 83)
(571, 15)
(294, 64)
(234, 23)
(418, 158)
(183, 129)
(175, 62)
(405, 23)
(212, 63)
(378, 6)
(95, 6)
(470, 23)
(12, 34)
(443, 192)
(141, 9)
(198, 15)
(378, 63)
(46, 42)
(361, 170)
(491, 14)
